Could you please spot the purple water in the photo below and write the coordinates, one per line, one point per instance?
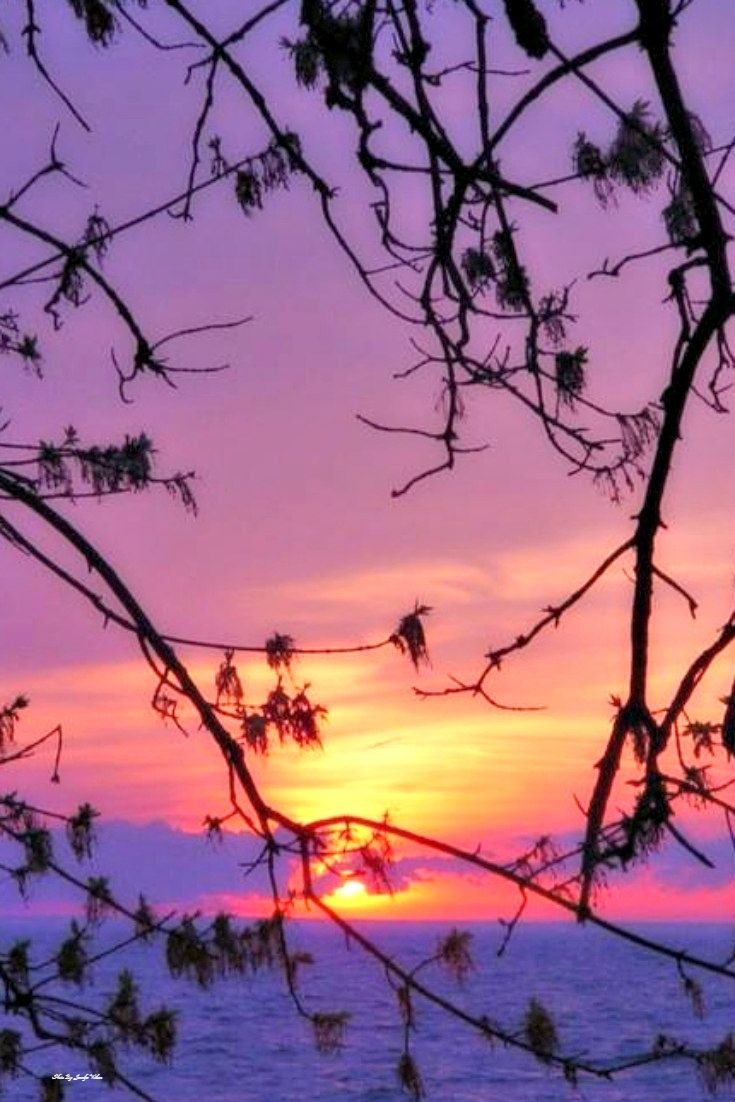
(241, 1040)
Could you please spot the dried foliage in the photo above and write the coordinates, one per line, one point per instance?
(72, 959)
(9, 717)
(99, 19)
(636, 157)
(727, 727)
(52, 1090)
(260, 175)
(717, 1067)
(98, 902)
(570, 375)
(478, 268)
(680, 219)
(227, 683)
(279, 651)
(223, 949)
(409, 1077)
(693, 991)
(80, 831)
(454, 954)
(540, 1031)
(329, 1031)
(10, 1052)
(589, 162)
(410, 636)
(529, 27)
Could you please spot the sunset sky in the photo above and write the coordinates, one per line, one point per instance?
(297, 531)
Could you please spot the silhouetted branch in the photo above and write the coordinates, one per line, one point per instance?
(30, 33)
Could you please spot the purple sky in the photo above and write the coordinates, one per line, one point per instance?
(297, 531)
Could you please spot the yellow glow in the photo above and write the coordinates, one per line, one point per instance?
(353, 896)
(351, 889)
(450, 767)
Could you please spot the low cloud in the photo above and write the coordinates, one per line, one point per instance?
(170, 867)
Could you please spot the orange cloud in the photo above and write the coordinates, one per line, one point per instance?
(451, 767)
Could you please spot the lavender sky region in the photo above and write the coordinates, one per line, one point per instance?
(297, 530)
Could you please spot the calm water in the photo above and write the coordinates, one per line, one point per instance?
(241, 1041)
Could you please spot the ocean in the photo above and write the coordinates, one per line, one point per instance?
(242, 1041)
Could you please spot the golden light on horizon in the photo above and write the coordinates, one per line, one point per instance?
(354, 896)
(351, 889)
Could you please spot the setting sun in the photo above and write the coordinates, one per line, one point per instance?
(351, 889)
(352, 895)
